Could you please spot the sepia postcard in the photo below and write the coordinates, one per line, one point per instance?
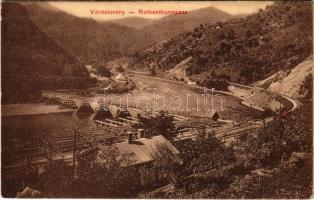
(157, 99)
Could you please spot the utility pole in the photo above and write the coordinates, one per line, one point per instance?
(212, 98)
(225, 140)
(74, 153)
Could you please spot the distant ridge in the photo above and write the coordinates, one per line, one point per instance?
(95, 42)
(89, 40)
(134, 22)
(170, 26)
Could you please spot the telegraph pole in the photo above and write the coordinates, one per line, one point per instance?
(212, 98)
(74, 153)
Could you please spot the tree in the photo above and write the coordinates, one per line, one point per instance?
(107, 173)
(206, 153)
(56, 180)
(119, 69)
(231, 35)
(249, 33)
(283, 136)
(306, 89)
(160, 124)
(167, 163)
(153, 71)
(103, 71)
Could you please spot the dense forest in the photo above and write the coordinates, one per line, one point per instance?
(240, 50)
(32, 61)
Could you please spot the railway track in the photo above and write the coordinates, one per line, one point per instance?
(25, 151)
(225, 133)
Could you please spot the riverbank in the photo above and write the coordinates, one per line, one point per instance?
(31, 109)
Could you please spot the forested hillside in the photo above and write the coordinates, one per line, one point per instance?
(135, 22)
(240, 50)
(89, 40)
(172, 25)
(32, 61)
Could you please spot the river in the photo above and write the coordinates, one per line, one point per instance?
(23, 124)
(21, 135)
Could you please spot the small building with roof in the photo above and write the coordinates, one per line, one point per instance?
(214, 115)
(141, 151)
(29, 193)
(120, 78)
(122, 112)
(103, 113)
(85, 108)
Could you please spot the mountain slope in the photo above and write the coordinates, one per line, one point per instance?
(170, 26)
(240, 50)
(31, 60)
(94, 41)
(135, 22)
(291, 83)
(89, 40)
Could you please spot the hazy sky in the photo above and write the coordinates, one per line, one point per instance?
(82, 9)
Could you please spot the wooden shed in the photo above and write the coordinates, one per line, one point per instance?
(103, 113)
(214, 115)
(85, 108)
